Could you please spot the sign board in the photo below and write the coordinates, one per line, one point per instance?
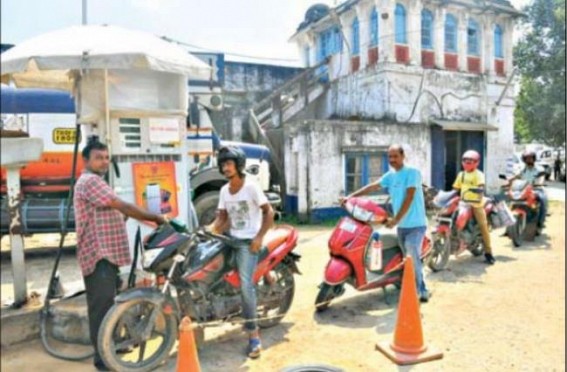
(155, 187)
(164, 131)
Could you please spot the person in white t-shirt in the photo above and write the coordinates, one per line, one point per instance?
(245, 212)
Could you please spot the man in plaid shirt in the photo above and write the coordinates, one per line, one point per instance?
(102, 241)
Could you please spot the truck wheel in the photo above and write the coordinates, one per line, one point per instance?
(206, 207)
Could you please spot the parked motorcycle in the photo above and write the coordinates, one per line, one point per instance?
(360, 255)
(456, 229)
(524, 206)
(195, 276)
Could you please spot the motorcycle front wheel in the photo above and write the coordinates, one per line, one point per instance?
(439, 257)
(122, 344)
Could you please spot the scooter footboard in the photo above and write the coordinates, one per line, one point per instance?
(337, 271)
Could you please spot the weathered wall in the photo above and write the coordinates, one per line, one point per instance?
(245, 84)
(315, 155)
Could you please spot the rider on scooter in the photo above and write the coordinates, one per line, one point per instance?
(406, 193)
(531, 173)
(467, 180)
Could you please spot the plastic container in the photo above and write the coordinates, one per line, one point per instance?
(375, 258)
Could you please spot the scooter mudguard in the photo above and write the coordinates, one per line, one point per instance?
(337, 271)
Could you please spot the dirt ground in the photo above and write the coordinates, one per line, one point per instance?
(506, 317)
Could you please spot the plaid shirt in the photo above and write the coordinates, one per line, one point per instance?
(101, 230)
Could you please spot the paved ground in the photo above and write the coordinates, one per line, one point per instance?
(510, 316)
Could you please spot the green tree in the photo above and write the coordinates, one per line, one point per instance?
(540, 57)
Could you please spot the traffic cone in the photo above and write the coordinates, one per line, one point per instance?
(408, 346)
(187, 358)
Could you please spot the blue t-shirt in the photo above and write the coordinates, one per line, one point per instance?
(397, 183)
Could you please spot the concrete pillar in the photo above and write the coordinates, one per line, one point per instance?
(414, 31)
(16, 237)
(439, 37)
(386, 30)
(363, 14)
(462, 41)
(508, 50)
(488, 44)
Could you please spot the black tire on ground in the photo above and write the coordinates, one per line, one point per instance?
(324, 297)
(516, 233)
(164, 326)
(206, 206)
(439, 256)
(286, 281)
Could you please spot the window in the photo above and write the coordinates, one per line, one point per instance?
(498, 33)
(362, 169)
(374, 28)
(400, 15)
(473, 36)
(330, 42)
(450, 33)
(426, 29)
(355, 37)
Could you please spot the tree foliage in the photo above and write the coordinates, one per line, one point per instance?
(540, 57)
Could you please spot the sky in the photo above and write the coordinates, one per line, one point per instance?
(259, 28)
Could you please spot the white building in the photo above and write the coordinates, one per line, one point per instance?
(434, 76)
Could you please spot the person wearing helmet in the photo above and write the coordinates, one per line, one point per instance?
(243, 210)
(469, 182)
(533, 173)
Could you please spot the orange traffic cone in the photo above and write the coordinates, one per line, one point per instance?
(408, 346)
(187, 358)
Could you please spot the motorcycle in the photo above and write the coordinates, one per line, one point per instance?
(194, 275)
(456, 229)
(524, 206)
(356, 248)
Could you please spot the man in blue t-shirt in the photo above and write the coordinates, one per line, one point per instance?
(404, 186)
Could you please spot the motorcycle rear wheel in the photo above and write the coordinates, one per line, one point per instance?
(439, 257)
(516, 232)
(286, 283)
(125, 321)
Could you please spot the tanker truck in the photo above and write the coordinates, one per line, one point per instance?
(50, 115)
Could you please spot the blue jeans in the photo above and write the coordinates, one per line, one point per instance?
(246, 262)
(410, 240)
(542, 197)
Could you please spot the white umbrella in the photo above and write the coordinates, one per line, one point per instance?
(47, 60)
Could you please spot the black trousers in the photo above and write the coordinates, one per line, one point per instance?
(101, 288)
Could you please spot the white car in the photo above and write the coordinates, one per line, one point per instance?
(514, 164)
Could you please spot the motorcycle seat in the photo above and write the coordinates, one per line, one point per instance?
(275, 237)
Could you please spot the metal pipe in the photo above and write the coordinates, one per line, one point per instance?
(84, 11)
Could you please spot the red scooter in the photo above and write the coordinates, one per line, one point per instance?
(350, 247)
(456, 229)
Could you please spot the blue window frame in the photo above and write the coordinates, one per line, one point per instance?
(498, 35)
(330, 42)
(374, 28)
(400, 16)
(363, 168)
(450, 33)
(426, 29)
(355, 37)
(473, 38)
